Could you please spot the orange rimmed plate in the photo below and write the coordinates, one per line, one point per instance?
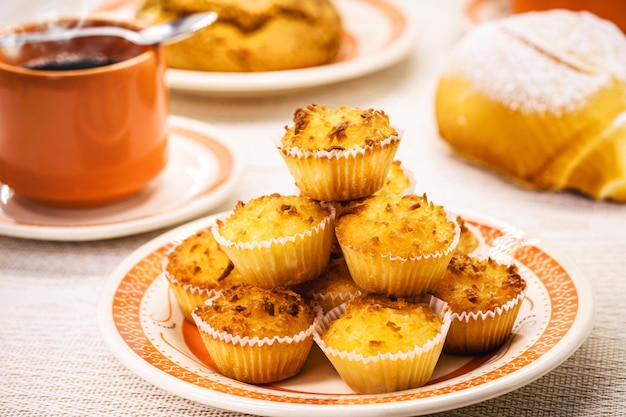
(201, 172)
(377, 34)
(144, 328)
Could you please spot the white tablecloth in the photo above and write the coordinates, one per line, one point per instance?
(54, 361)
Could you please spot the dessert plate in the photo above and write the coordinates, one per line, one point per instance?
(377, 34)
(201, 172)
(143, 326)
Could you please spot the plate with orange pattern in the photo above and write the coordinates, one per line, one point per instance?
(377, 34)
(146, 331)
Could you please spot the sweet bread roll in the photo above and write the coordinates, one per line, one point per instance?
(251, 35)
(541, 98)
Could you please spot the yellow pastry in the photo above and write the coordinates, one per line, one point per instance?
(540, 97)
(397, 245)
(399, 181)
(277, 240)
(196, 269)
(333, 287)
(380, 344)
(468, 241)
(252, 35)
(484, 297)
(257, 335)
(339, 154)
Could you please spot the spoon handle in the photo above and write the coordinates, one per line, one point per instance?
(17, 39)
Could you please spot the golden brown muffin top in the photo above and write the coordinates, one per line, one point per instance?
(406, 226)
(321, 128)
(398, 180)
(468, 242)
(335, 279)
(374, 324)
(477, 285)
(248, 311)
(272, 216)
(199, 261)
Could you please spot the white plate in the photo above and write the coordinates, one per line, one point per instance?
(201, 172)
(143, 326)
(377, 34)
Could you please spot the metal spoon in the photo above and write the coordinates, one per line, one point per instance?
(166, 32)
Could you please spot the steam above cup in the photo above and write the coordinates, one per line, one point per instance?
(83, 122)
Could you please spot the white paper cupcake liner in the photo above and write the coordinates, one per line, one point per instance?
(257, 360)
(285, 260)
(399, 276)
(410, 188)
(340, 175)
(482, 331)
(386, 372)
(188, 296)
(483, 315)
(330, 300)
(254, 341)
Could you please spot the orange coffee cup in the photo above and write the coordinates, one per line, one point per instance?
(81, 137)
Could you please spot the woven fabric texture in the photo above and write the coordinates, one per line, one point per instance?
(54, 361)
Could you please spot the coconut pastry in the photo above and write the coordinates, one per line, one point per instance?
(339, 154)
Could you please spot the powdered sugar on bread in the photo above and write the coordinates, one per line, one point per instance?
(542, 62)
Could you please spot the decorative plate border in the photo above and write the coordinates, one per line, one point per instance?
(569, 319)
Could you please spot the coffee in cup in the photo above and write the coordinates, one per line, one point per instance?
(83, 122)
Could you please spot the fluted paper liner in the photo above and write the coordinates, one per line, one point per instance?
(187, 296)
(386, 372)
(340, 206)
(257, 360)
(285, 260)
(398, 276)
(473, 333)
(330, 300)
(340, 175)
